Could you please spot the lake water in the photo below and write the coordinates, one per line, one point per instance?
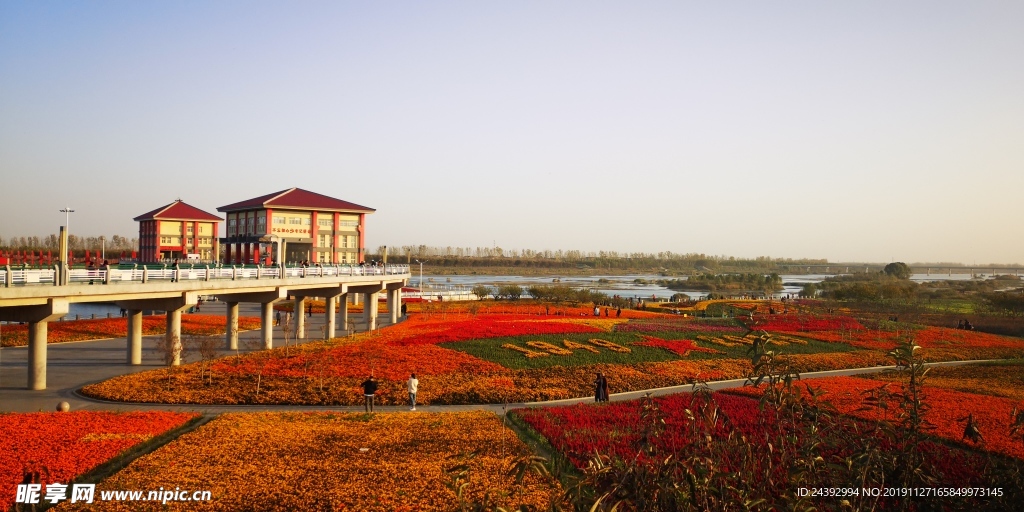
(626, 286)
(622, 285)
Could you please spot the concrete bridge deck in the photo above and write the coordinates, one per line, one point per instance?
(39, 304)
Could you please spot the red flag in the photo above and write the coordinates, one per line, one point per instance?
(133, 255)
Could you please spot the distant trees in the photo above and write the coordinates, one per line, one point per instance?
(449, 256)
(481, 291)
(897, 269)
(76, 243)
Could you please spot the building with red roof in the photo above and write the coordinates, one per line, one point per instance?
(311, 227)
(176, 231)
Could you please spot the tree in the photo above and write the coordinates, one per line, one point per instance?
(481, 291)
(897, 269)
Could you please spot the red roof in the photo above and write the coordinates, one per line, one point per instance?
(178, 210)
(295, 198)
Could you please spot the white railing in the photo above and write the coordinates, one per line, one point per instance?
(10, 277)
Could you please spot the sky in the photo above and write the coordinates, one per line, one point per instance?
(852, 131)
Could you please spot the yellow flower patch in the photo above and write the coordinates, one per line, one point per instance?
(525, 351)
(345, 461)
(549, 348)
(614, 347)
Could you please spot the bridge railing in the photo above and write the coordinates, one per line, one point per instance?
(10, 277)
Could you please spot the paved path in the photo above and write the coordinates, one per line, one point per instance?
(76, 364)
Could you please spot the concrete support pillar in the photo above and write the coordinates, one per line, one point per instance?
(344, 312)
(330, 328)
(355, 299)
(370, 311)
(37, 355)
(300, 318)
(394, 305)
(267, 324)
(231, 327)
(173, 337)
(134, 336)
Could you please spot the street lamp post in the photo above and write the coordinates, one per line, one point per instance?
(67, 211)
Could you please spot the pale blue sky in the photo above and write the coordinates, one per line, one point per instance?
(851, 131)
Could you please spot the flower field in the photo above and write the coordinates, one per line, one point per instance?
(79, 330)
(321, 461)
(946, 415)
(496, 352)
(61, 446)
(1005, 380)
(739, 444)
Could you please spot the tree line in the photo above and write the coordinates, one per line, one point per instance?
(75, 243)
(554, 259)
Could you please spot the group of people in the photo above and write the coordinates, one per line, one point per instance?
(370, 390)
(597, 312)
(370, 387)
(965, 325)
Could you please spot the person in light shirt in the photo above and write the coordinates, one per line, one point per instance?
(414, 385)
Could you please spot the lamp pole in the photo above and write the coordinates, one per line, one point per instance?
(67, 211)
(421, 277)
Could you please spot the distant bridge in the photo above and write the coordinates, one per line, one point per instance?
(42, 295)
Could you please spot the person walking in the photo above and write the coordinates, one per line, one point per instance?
(414, 385)
(369, 389)
(601, 388)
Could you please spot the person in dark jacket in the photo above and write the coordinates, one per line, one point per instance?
(369, 389)
(601, 391)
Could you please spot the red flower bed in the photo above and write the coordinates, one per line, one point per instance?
(802, 323)
(947, 408)
(615, 429)
(680, 347)
(62, 446)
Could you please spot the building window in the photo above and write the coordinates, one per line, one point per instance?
(324, 222)
(189, 229)
(349, 223)
(294, 220)
(279, 220)
(307, 221)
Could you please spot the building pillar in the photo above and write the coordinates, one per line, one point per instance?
(245, 253)
(37, 355)
(329, 327)
(173, 337)
(300, 318)
(370, 311)
(344, 312)
(134, 336)
(231, 327)
(267, 324)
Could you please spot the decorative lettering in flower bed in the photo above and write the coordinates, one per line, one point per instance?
(525, 351)
(548, 347)
(614, 347)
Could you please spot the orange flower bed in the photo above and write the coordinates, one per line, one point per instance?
(103, 328)
(946, 415)
(62, 446)
(926, 337)
(338, 461)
